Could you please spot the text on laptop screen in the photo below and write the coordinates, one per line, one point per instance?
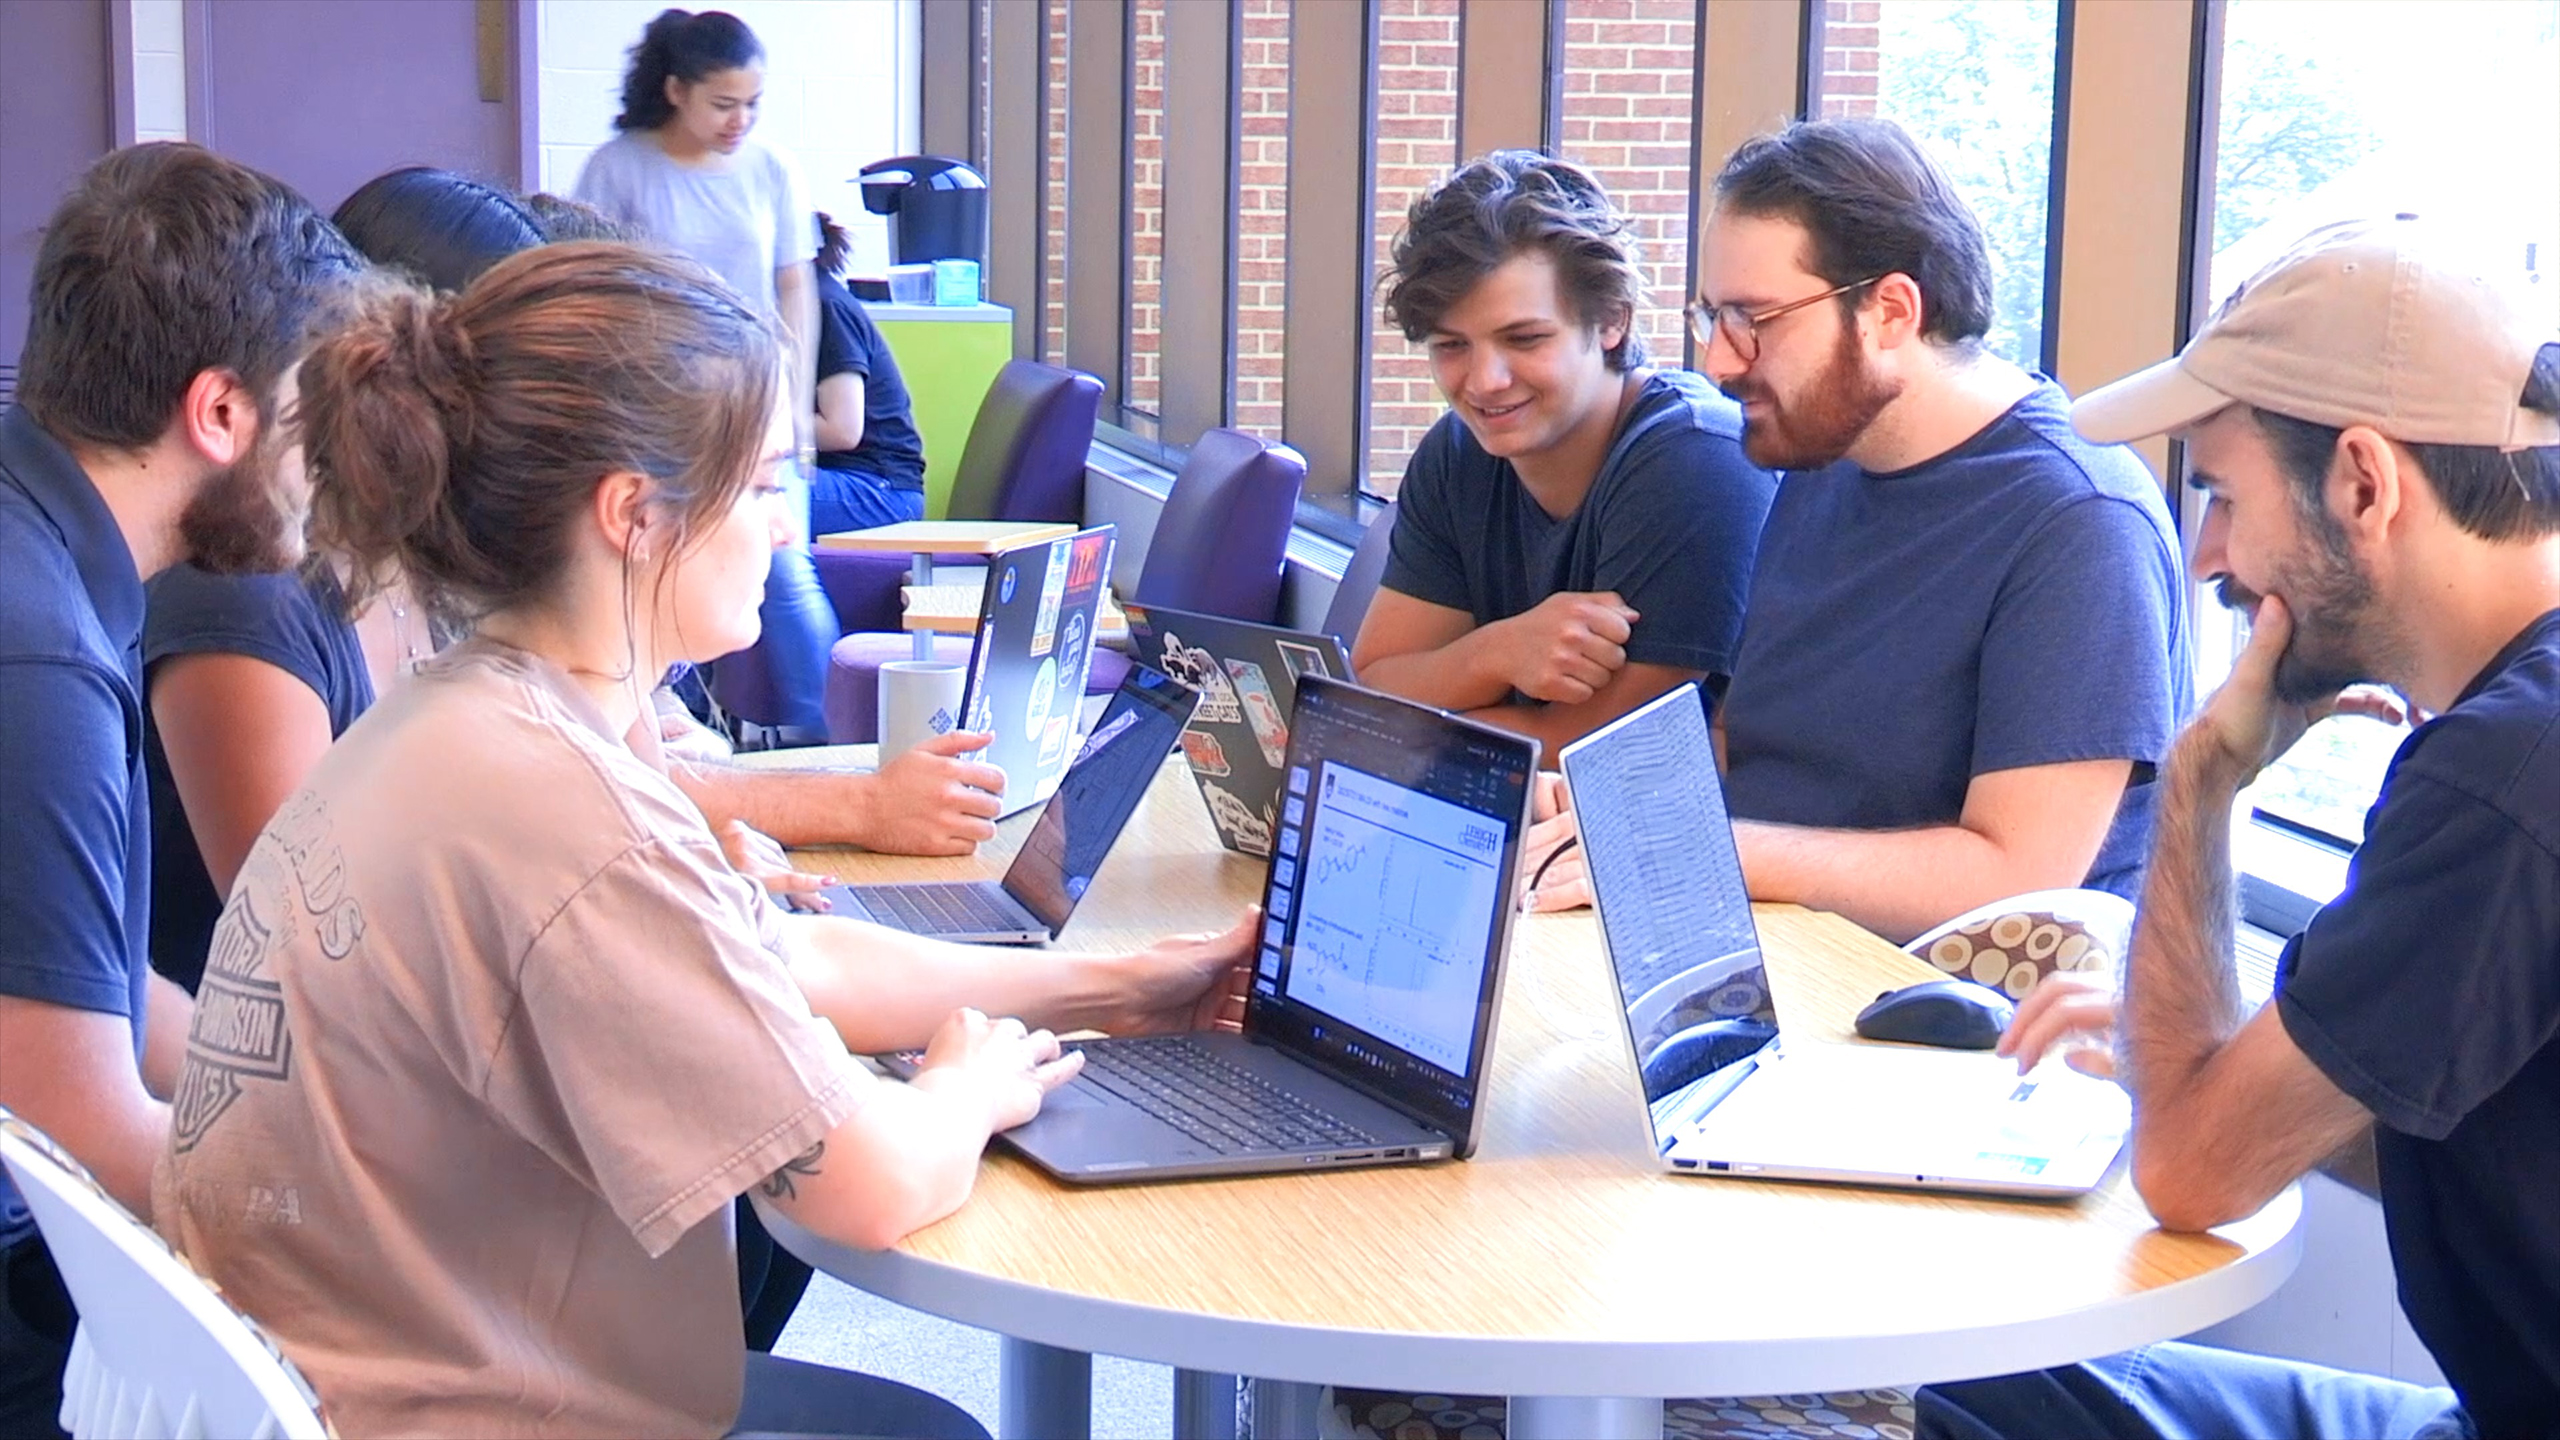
(1667, 882)
(1397, 830)
(1104, 785)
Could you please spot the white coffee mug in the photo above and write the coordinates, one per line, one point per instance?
(919, 699)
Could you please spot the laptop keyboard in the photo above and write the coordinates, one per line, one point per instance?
(944, 909)
(1227, 1109)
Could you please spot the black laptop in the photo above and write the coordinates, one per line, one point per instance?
(1034, 647)
(1067, 843)
(1238, 739)
(1369, 1030)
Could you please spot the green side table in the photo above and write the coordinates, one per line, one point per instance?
(949, 355)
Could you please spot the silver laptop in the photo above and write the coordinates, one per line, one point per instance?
(1370, 1024)
(1725, 1095)
(1247, 676)
(1027, 671)
(1057, 861)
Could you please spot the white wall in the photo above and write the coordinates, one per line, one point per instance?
(840, 91)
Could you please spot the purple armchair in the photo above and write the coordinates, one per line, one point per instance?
(1221, 543)
(1360, 578)
(1025, 461)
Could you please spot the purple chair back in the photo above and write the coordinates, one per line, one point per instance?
(1026, 454)
(1223, 536)
(1360, 578)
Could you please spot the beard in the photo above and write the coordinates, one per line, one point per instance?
(2333, 607)
(1817, 427)
(246, 519)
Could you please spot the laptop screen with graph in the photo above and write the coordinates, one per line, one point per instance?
(1387, 906)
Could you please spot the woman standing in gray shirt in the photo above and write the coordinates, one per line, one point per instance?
(682, 170)
(684, 173)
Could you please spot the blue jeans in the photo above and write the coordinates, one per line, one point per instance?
(853, 500)
(2170, 1392)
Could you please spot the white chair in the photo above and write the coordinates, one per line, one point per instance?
(2011, 944)
(159, 1354)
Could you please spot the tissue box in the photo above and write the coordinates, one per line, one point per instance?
(955, 282)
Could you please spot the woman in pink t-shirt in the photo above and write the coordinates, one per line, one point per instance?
(526, 1031)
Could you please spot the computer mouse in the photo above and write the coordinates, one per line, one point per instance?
(1953, 1014)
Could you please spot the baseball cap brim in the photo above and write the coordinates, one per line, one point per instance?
(2156, 401)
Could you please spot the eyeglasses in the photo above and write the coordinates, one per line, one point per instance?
(1742, 327)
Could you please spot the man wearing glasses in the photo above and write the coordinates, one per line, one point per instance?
(1966, 647)
(1574, 537)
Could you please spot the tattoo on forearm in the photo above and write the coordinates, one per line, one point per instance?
(784, 1184)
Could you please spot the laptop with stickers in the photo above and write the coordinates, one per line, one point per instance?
(1034, 648)
(1238, 739)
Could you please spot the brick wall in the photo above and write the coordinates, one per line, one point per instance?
(1262, 184)
(1053, 288)
(1146, 205)
(1417, 147)
(1628, 102)
(1848, 84)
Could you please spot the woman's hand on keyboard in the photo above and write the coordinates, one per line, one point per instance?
(1002, 1064)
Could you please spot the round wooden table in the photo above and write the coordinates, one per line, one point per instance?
(1559, 1266)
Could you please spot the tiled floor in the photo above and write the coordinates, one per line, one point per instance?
(839, 1325)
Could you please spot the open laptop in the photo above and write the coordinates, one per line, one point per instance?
(1034, 647)
(1724, 1094)
(1067, 843)
(1247, 676)
(1369, 1028)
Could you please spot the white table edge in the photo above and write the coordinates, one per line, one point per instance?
(1548, 1366)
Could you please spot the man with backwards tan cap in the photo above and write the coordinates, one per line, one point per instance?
(2378, 431)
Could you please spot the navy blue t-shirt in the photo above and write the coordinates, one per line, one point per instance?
(296, 623)
(2429, 992)
(849, 343)
(2019, 600)
(1669, 524)
(75, 871)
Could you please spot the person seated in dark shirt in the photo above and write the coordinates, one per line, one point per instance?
(870, 467)
(2378, 433)
(171, 296)
(1966, 649)
(1572, 539)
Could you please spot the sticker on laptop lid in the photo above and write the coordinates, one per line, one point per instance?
(1261, 711)
(1200, 670)
(1208, 757)
(1302, 660)
(1053, 595)
(1236, 820)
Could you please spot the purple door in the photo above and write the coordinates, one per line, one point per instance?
(56, 116)
(327, 96)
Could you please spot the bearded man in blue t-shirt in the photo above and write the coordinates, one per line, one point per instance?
(1966, 645)
(1573, 538)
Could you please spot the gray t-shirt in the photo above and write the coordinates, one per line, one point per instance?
(744, 220)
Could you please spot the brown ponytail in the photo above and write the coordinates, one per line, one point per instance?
(461, 439)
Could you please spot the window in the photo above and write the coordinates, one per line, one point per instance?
(2351, 117)
(1417, 145)
(1973, 79)
(1630, 98)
